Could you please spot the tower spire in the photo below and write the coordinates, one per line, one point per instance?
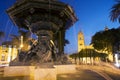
(106, 28)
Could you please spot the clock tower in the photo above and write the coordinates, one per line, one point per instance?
(81, 43)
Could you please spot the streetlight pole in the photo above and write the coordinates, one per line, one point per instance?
(21, 41)
(21, 45)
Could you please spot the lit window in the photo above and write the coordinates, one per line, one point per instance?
(3, 57)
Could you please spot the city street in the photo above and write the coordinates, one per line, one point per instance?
(107, 71)
(81, 74)
(90, 72)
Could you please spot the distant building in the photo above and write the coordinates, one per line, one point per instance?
(81, 42)
(106, 28)
(81, 45)
(7, 54)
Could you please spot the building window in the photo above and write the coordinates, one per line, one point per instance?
(3, 57)
(80, 38)
(80, 44)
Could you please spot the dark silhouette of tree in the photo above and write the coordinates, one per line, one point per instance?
(2, 35)
(91, 53)
(66, 42)
(7, 43)
(15, 40)
(115, 12)
(106, 40)
(74, 56)
(26, 39)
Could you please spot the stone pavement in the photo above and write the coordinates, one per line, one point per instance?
(92, 72)
(84, 72)
(107, 71)
(81, 74)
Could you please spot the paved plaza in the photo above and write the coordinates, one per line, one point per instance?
(83, 72)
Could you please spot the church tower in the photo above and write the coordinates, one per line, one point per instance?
(81, 43)
(106, 28)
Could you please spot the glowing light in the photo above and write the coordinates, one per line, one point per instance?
(29, 47)
(117, 64)
(116, 61)
(21, 45)
(116, 58)
(14, 53)
(9, 53)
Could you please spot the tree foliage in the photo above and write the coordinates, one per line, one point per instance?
(2, 35)
(106, 40)
(88, 53)
(115, 12)
(26, 39)
(66, 42)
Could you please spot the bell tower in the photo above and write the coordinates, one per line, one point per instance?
(81, 43)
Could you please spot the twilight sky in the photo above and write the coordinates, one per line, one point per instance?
(93, 16)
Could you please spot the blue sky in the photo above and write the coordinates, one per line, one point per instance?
(93, 16)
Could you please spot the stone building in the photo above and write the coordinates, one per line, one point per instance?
(81, 42)
(7, 54)
(81, 45)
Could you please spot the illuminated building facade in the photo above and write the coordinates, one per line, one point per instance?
(81, 45)
(81, 42)
(7, 53)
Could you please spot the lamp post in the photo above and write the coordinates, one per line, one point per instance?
(21, 44)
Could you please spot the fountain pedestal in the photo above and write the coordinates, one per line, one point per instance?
(31, 72)
(38, 73)
(45, 74)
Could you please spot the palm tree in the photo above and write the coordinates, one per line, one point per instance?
(15, 40)
(26, 39)
(2, 34)
(66, 42)
(115, 12)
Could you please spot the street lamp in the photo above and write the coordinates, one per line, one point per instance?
(21, 41)
(21, 46)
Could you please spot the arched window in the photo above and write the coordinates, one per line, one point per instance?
(81, 44)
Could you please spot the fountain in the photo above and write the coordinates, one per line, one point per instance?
(48, 19)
